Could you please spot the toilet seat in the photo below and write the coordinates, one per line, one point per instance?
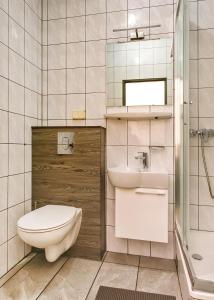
(47, 218)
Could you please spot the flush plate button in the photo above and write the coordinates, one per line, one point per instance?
(65, 143)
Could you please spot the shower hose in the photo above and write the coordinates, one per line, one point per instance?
(205, 165)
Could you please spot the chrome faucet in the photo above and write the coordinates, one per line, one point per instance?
(143, 158)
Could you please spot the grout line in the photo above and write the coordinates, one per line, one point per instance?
(104, 256)
(138, 271)
(15, 21)
(25, 153)
(10, 80)
(173, 140)
(149, 19)
(109, 12)
(47, 66)
(8, 162)
(21, 56)
(159, 269)
(42, 71)
(85, 64)
(179, 284)
(198, 111)
(74, 68)
(38, 16)
(33, 256)
(68, 258)
(106, 91)
(121, 264)
(17, 144)
(200, 230)
(66, 64)
(10, 175)
(95, 278)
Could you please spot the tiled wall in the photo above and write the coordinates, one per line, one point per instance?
(75, 37)
(20, 102)
(75, 34)
(202, 111)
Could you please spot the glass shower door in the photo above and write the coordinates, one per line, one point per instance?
(182, 121)
(197, 242)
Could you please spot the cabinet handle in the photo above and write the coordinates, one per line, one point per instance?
(150, 192)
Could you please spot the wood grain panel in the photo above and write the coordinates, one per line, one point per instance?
(74, 180)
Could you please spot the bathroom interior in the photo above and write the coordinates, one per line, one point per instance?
(106, 146)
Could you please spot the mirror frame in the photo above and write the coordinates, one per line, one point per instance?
(142, 80)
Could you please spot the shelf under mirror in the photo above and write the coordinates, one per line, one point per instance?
(139, 116)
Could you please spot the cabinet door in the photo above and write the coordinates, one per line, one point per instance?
(142, 214)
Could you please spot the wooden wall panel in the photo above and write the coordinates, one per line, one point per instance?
(75, 180)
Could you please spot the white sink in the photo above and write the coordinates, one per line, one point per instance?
(124, 177)
(154, 180)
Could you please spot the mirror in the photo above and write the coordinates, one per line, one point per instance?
(139, 73)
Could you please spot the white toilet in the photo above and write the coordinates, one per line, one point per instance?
(52, 227)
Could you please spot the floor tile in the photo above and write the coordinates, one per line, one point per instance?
(160, 282)
(114, 275)
(73, 281)
(157, 263)
(29, 282)
(123, 259)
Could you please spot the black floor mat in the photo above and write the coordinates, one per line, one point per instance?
(107, 293)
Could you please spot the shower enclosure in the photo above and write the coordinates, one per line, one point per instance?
(194, 143)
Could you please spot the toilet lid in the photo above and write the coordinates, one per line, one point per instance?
(47, 217)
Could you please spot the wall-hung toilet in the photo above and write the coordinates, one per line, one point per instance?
(52, 227)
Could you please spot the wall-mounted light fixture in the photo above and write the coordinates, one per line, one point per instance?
(135, 34)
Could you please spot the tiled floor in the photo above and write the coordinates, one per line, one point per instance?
(79, 279)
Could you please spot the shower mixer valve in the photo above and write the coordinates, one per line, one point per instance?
(203, 133)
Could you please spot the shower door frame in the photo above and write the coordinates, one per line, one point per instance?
(182, 127)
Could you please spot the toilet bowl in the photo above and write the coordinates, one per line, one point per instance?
(52, 227)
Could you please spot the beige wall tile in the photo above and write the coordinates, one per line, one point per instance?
(56, 9)
(3, 259)
(3, 224)
(138, 247)
(163, 250)
(14, 213)
(76, 8)
(15, 189)
(115, 244)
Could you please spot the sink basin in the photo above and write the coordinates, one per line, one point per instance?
(154, 180)
(124, 177)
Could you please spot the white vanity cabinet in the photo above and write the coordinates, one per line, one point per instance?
(142, 214)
